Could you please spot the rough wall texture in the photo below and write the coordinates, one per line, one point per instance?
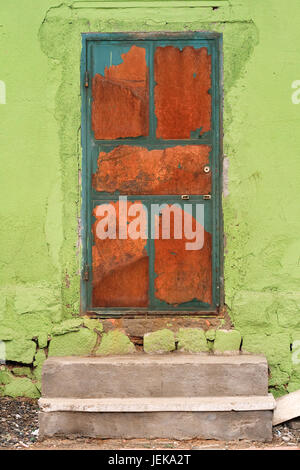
(40, 48)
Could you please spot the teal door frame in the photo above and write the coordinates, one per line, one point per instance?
(90, 148)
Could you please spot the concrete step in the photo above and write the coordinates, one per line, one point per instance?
(225, 418)
(142, 375)
(97, 405)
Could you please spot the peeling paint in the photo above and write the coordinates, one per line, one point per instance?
(225, 176)
(120, 268)
(182, 275)
(177, 115)
(136, 170)
(120, 105)
(2, 92)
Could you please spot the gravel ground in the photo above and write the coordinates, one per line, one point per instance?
(18, 422)
(19, 430)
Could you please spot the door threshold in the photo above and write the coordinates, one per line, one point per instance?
(154, 314)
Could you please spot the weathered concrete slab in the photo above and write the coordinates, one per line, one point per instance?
(254, 403)
(252, 425)
(141, 375)
(287, 407)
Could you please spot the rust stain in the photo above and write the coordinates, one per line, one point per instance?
(120, 268)
(182, 101)
(136, 170)
(182, 275)
(120, 105)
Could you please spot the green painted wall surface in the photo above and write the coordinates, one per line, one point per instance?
(40, 47)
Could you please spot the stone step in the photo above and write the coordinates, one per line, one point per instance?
(225, 418)
(142, 375)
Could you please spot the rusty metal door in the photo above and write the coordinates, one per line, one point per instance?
(151, 139)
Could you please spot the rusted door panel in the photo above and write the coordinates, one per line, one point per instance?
(183, 270)
(155, 272)
(152, 138)
(120, 265)
(183, 102)
(137, 170)
(120, 93)
(182, 276)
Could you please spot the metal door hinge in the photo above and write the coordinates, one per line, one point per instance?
(86, 273)
(206, 196)
(86, 79)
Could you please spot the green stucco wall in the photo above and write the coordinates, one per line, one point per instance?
(40, 47)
